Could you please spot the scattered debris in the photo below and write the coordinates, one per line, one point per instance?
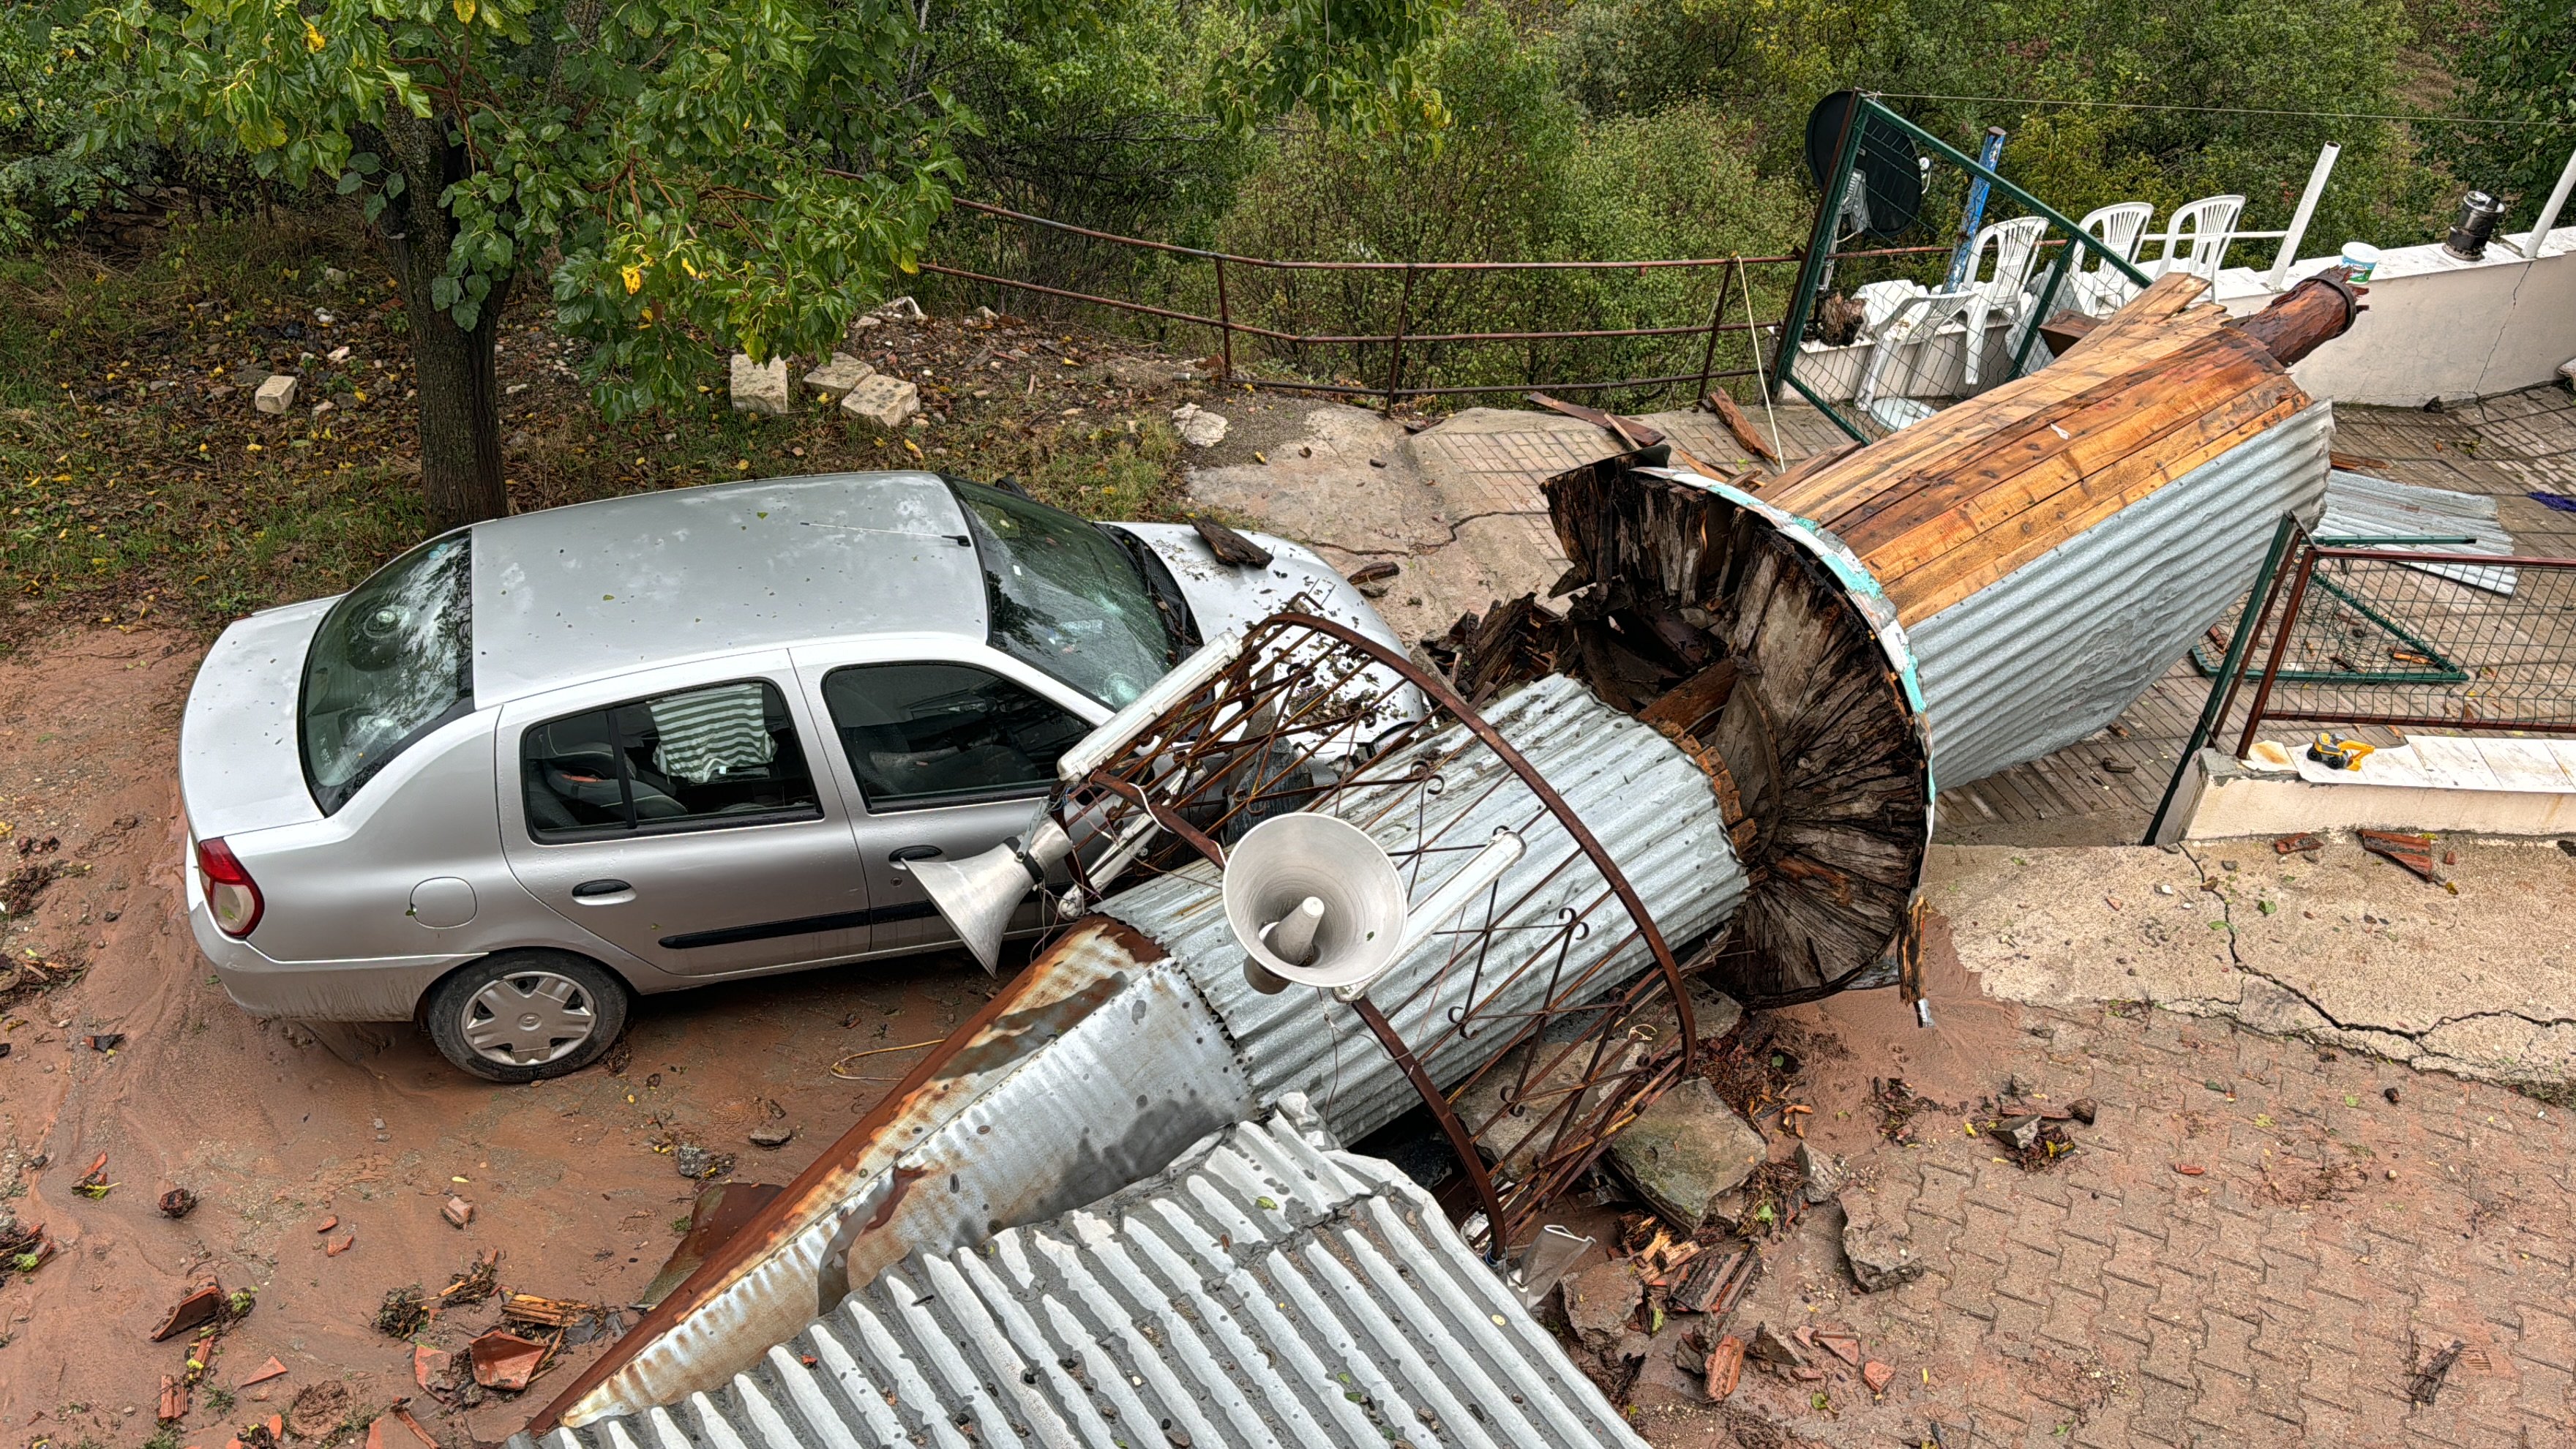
(2424, 1376)
(772, 1136)
(1599, 1302)
(457, 1211)
(1769, 1345)
(105, 1041)
(317, 1409)
(1229, 546)
(272, 1369)
(2034, 1140)
(1725, 1367)
(275, 396)
(1823, 1172)
(1842, 1343)
(479, 1281)
(204, 1304)
(577, 1322)
(340, 1245)
(1713, 1282)
(402, 1313)
(698, 1164)
(1741, 426)
(406, 1432)
(327, 1224)
(178, 1202)
(1898, 1105)
(94, 1183)
(1379, 572)
(504, 1360)
(174, 1400)
(19, 891)
(430, 1367)
(1877, 1375)
(2414, 852)
(2190, 1169)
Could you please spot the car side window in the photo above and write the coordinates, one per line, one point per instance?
(695, 759)
(944, 734)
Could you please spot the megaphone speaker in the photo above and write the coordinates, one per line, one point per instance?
(1313, 900)
(978, 895)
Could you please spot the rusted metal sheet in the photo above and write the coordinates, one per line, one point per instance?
(2059, 647)
(1092, 1068)
(1268, 1290)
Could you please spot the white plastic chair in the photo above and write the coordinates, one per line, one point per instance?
(2203, 228)
(2015, 244)
(2101, 288)
(1913, 326)
(1881, 301)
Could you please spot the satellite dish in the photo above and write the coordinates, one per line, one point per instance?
(1891, 172)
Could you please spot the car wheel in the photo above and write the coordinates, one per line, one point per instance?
(524, 1016)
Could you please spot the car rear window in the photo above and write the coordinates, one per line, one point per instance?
(392, 661)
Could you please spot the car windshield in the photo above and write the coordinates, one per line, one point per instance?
(392, 661)
(1066, 598)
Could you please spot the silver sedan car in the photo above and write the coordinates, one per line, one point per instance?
(538, 765)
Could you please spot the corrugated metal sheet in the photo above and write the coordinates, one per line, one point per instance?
(2058, 648)
(2360, 506)
(1643, 799)
(1096, 1072)
(1268, 1291)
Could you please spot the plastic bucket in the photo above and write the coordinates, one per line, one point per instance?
(2362, 258)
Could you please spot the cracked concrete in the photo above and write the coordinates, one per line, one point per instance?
(2346, 949)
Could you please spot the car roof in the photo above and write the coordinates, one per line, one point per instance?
(597, 589)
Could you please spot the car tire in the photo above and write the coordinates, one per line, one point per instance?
(510, 1017)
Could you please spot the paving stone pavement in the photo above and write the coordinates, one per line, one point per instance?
(2275, 1298)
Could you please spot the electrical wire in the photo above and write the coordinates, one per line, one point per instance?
(2219, 110)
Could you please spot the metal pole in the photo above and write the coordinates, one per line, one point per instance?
(2298, 232)
(1820, 249)
(2222, 693)
(1224, 327)
(1403, 314)
(2539, 235)
(1965, 162)
(1461, 1141)
(1708, 355)
(2039, 310)
(1961, 255)
(2280, 646)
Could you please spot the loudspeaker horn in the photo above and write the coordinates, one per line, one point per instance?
(1314, 901)
(978, 895)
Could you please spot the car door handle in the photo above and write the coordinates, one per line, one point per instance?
(902, 859)
(602, 892)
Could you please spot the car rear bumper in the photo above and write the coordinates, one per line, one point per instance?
(384, 989)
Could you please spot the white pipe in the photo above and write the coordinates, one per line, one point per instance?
(1424, 921)
(1114, 733)
(2298, 231)
(2539, 236)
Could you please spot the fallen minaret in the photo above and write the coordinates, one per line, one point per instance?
(1720, 761)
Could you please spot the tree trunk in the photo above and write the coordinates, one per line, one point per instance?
(460, 411)
(459, 394)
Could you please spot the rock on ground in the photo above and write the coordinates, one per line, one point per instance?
(1199, 427)
(760, 387)
(887, 402)
(1599, 1301)
(834, 379)
(1880, 1253)
(1685, 1150)
(275, 395)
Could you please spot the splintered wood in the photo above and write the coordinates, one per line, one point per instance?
(1955, 503)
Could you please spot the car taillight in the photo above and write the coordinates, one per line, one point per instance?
(231, 894)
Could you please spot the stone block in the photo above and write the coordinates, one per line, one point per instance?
(760, 387)
(275, 396)
(1881, 1254)
(1599, 1302)
(1198, 427)
(835, 378)
(1685, 1150)
(887, 402)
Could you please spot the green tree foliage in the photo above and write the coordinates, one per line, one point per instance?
(48, 80)
(2517, 59)
(685, 178)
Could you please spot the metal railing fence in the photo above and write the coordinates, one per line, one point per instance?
(1679, 322)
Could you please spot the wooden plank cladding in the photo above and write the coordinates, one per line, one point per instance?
(1956, 502)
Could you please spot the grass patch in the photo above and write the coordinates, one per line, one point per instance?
(138, 483)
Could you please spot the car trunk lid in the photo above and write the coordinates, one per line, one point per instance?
(239, 768)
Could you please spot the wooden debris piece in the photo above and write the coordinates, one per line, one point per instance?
(1230, 547)
(1731, 414)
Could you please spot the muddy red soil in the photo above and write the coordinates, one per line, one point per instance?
(275, 1131)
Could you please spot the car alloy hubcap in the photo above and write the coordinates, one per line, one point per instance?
(529, 1018)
